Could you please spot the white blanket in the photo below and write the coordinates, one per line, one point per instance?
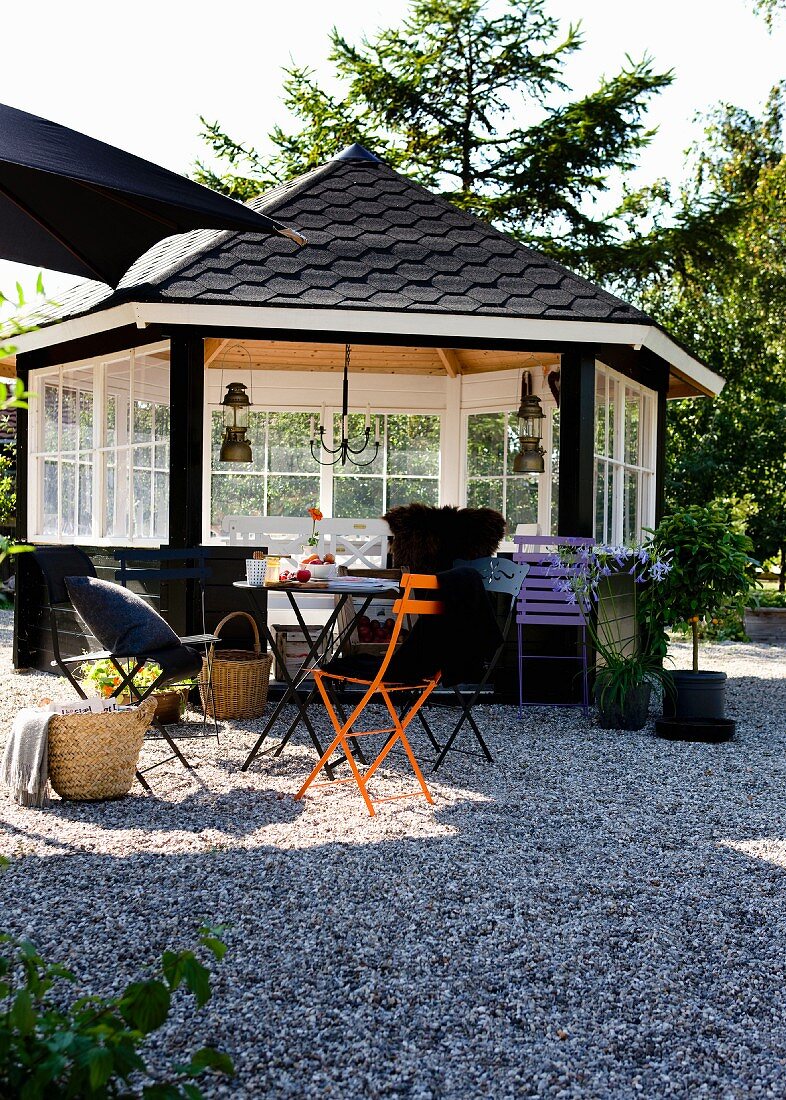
(25, 768)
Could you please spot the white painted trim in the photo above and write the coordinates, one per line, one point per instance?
(450, 472)
(450, 326)
(59, 333)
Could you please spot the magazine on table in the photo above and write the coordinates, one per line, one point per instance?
(350, 583)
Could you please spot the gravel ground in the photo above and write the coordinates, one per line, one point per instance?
(598, 914)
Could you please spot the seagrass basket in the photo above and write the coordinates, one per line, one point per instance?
(240, 677)
(93, 756)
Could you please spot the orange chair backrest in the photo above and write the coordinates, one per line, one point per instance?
(408, 604)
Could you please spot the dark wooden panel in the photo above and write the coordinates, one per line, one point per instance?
(576, 443)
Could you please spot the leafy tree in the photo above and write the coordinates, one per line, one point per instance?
(769, 9)
(729, 307)
(468, 103)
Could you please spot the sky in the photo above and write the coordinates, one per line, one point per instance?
(139, 74)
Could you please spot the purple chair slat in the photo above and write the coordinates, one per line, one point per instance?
(541, 604)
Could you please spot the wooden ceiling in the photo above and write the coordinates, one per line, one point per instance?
(366, 358)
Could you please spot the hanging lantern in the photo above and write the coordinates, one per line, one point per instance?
(235, 447)
(529, 459)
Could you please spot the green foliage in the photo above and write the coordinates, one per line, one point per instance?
(766, 598)
(728, 305)
(468, 100)
(712, 571)
(592, 579)
(91, 1050)
(769, 10)
(103, 676)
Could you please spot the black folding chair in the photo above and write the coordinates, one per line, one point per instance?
(195, 570)
(176, 662)
(500, 575)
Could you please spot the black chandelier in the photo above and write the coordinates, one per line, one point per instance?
(347, 449)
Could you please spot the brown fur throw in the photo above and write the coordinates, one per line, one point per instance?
(428, 539)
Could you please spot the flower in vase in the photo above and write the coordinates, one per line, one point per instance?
(316, 517)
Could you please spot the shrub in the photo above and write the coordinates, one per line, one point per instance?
(91, 1049)
(711, 567)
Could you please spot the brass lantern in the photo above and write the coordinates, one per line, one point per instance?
(235, 447)
(529, 459)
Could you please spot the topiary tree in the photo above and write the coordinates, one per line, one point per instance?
(711, 567)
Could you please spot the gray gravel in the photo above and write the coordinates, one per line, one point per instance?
(599, 914)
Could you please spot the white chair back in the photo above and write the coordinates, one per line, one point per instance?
(284, 535)
(357, 543)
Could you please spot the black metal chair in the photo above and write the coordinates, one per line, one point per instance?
(503, 576)
(176, 662)
(195, 570)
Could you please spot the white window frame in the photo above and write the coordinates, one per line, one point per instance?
(616, 465)
(324, 414)
(544, 479)
(36, 455)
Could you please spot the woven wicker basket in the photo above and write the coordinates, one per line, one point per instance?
(94, 756)
(240, 677)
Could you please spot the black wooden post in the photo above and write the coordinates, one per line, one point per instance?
(187, 411)
(576, 443)
(660, 456)
(21, 648)
(186, 403)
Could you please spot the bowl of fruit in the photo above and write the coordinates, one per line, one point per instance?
(321, 568)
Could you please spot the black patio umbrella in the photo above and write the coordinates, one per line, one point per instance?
(75, 204)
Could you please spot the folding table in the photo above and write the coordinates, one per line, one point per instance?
(340, 591)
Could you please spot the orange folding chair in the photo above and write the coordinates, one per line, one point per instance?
(408, 604)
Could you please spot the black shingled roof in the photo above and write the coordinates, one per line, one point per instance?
(376, 241)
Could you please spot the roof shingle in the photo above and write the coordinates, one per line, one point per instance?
(376, 240)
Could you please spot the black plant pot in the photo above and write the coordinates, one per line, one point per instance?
(699, 695)
(711, 730)
(631, 715)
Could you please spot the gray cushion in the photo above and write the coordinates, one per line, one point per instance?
(121, 621)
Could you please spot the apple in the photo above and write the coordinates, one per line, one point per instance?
(330, 559)
(303, 575)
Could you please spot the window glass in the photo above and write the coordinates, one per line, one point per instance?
(632, 413)
(485, 444)
(51, 417)
(413, 445)
(405, 470)
(292, 496)
(485, 492)
(358, 496)
(554, 471)
(287, 444)
(492, 446)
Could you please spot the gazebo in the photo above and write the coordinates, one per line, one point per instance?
(441, 315)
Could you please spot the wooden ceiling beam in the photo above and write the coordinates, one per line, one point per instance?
(213, 348)
(450, 361)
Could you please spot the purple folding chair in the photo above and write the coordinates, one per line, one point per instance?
(540, 603)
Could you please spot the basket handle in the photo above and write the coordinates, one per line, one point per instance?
(243, 615)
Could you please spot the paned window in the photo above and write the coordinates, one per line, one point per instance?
(624, 457)
(405, 470)
(492, 443)
(99, 459)
(283, 479)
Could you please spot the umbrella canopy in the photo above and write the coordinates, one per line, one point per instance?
(71, 203)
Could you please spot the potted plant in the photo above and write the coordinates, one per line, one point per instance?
(103, 677)
(711, 573)
(626, 637)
